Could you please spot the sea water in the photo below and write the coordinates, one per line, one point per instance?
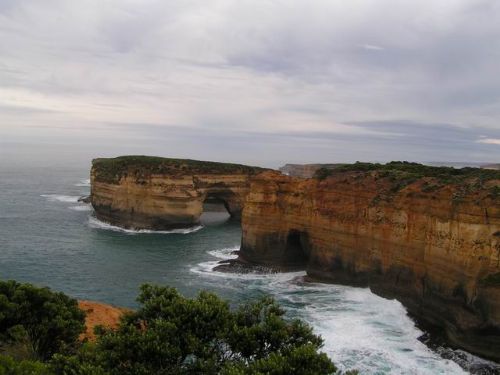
(48, 237)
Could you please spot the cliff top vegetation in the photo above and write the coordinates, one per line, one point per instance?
(400, 174)
(414, 171)
(112, 169)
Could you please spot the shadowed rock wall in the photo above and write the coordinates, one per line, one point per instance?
(434, 246)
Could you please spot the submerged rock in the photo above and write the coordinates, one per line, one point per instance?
(85, 199)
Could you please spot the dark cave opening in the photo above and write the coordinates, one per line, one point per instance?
(297, 248)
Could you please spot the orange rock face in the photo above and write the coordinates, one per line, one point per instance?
(158, 193)
(99, 314)
(434, 247)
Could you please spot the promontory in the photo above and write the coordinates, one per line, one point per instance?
(427, 236)
(145, 192)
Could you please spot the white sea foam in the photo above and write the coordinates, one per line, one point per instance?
(225, 254)
(98, 224)
(361, 330)
(83, 183)
(86, 207)
(61, 198)
(207, 269)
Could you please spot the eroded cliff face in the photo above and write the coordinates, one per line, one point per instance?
(304, 170)
(157, 193)
(433, 246)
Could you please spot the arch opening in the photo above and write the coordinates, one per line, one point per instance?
(297, 248)
(215, 210)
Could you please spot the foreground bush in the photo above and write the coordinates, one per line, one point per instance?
(36, 322)
(8, 366)
(171, 334)
(168, 334)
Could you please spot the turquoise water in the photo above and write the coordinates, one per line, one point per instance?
(48, 238)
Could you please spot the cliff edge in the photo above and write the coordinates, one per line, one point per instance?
(428, 236)
(145, 192)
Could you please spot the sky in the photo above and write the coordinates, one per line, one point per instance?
(253, 81)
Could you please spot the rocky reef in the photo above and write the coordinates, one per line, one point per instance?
(143, 192)
(428, 236)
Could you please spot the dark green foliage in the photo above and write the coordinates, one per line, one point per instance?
(403, 173)
(491, 280)
(8, 366)
(171, 334)
(168, 334)
(420, 170)
(495, 192)
(112, 169)
(322, 173)
(301, 360)
(36, 322)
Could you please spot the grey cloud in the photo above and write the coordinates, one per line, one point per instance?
(329, 78)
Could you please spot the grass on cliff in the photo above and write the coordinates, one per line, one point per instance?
(409, 172)
(112, 169)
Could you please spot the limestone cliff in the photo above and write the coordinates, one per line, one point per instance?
(429, 237)
(304, 170)
(143, 192)
(491, 166)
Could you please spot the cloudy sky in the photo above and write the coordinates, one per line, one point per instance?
(261, 82)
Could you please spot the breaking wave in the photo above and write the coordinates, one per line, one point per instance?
(86, 207)
(61, 198)
(360, 329)
(83, 183)
(98, 224)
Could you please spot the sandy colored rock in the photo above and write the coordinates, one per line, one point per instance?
(157, 193)
(434, 247)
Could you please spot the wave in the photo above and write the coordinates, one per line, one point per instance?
(61, 198)
(360, 329)
(83, 183)
(225, 254)
(207, 268)
(86, 207)
(98, 224)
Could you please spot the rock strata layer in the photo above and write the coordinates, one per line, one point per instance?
(431, 243)
(143, 192)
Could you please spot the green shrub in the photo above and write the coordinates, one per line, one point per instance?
(403, 173)
(36, 322)
(110, 170)
(168, 334)
(323, 173)
(8, 366)
(171, 334)
(495, 192)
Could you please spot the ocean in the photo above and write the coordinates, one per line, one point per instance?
(48, 238)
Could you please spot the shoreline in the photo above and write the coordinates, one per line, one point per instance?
(433, 336)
